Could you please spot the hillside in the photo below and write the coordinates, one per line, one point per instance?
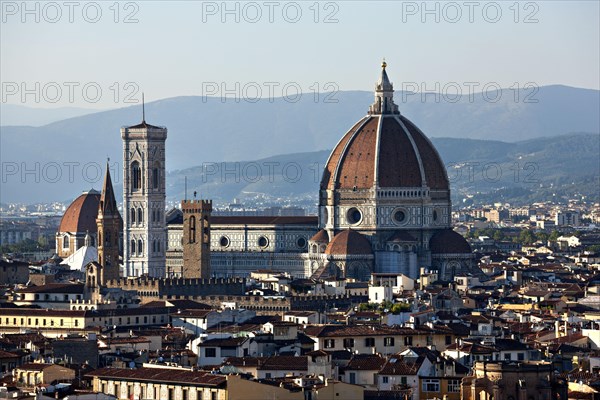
(67, 156)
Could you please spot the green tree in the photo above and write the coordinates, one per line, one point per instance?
(526, 237)
(542, 236)
(554, 236)
(595, 248)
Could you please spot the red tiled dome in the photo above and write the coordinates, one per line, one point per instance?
(81, 214)
(447, 241)
(320, 237)
(349, 242)
(385, 149)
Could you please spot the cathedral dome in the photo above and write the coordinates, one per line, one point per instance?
(349, 242)
(384, 150)
(320, 237)
(447, 241)
(81, 214)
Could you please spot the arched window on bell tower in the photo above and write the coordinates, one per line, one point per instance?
(156, 176)
(192, 229)
(136, 176)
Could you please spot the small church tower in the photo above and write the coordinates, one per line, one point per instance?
(196, 238)
(109, 225)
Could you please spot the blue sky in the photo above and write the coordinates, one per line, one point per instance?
(178, 48)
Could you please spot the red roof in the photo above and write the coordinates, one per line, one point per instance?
(81, 214)
(161, 375)
(320, 237)
(368, 362)
(6, 354)
(447, 241)
(388, 150)
(349, 242)
(34, 367)
(73, 288)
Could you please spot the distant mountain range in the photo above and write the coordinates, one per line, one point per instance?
(15, 114)
(64, 157)
(555, 168)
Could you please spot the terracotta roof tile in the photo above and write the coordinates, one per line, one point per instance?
(160, 375)
(447, 241)
(334, 158)
(81, 215)
(398, 163)
(365, 362)
(349, 242)
(399, 148)
(357, 165)
(284, 363)
(320, 237)
(435, 171)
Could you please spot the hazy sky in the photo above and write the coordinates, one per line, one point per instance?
(192, 47)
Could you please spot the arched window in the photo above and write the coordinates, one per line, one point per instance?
(65, 242)
(133, 247)
(205, 230)
(154, 246)
(133, 215)
(140, 247)
(155, 177)
(140, 216)
(158, 246)
(192, 230)
(136, 176)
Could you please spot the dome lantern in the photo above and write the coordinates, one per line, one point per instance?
(384, 95)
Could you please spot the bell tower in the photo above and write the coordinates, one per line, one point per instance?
(145, 230)
(196, 238)
(109, 224)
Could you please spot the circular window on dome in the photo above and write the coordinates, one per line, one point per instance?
(224, 241)
(400, 216)
(301, 242)
(354, 216)
(263, 241)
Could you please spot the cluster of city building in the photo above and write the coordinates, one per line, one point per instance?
(376, 297)
(546, 216)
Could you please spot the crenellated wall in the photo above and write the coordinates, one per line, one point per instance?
(158, 287)
(271, 305)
